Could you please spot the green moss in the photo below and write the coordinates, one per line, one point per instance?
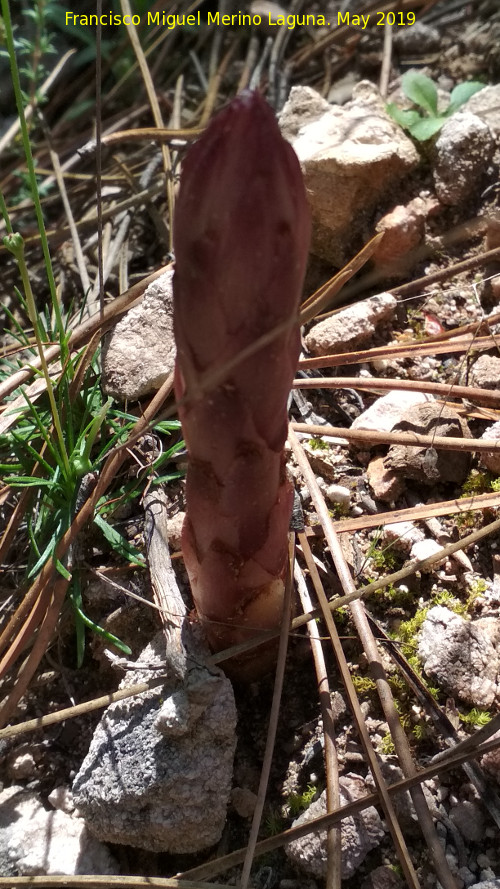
(479, 481)
(386, 745)
(363, 684)
(383, 558)
(476, 717)
(298, 802)
(317, 444)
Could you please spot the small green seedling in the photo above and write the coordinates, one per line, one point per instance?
(421, 90)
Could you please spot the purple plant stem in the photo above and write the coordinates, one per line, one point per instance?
(241, 236)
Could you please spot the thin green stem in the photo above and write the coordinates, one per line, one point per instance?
(15, 244)
(16, 83)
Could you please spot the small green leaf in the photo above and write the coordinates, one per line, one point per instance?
(119, 544)
(405, 118)
(62, 570)
(22, 481)
(426, 128)
(421, 90)
(462, 93)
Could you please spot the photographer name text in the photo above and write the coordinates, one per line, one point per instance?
(240, 19)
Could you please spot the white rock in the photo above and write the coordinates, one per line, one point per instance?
(61, 798)
(462, 655)
(36, 842)
(350, 155)
(140, 351)
(387, 410)
(463, 151)
(338, 494)
(425, 548)
(351, 327)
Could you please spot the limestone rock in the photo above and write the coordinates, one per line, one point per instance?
(360, 834)
(159, 769)
(34, 841)
(426, 464)
(351, 327)
(139, 354)
(462, 655)
(351, 155)
(463, 151)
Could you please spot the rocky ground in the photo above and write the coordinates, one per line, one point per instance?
(408, 348)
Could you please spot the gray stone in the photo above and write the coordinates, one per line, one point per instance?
(419, 39)
(360, 834)
(426, 464)
(463, 152)
(139, 353)
(351, 155)
(466, 875)
(388, 410)
(243, 801)
(469, 819)
(462, 655)
(159, 769)
(351, 327)
(34, 841)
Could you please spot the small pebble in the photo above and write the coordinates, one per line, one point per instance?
(338, 494)
(482, 860)
(467, 876)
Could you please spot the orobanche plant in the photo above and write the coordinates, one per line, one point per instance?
(241, 234)
(421, 90)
